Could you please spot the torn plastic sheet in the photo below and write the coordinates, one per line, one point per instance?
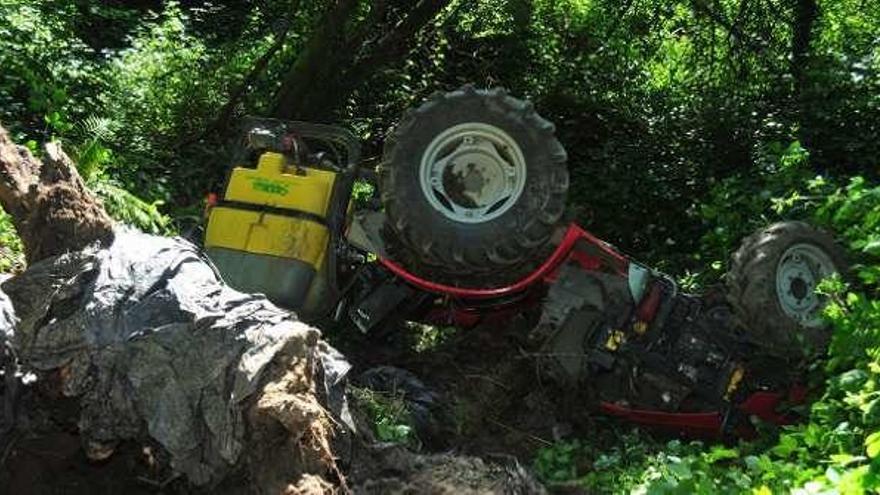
(334, 373)
(150, 340)
(8, 367)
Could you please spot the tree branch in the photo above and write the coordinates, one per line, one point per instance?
(221, 123)
(396, 42)
(755, 43)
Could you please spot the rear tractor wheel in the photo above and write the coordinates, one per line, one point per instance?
(474, 185)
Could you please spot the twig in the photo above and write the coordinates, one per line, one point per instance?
(488, 379)
(158, 484)
(13, 438)
(520, 432)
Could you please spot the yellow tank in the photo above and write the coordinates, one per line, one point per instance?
(269, 233)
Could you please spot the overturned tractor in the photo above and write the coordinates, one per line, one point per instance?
(466, 230)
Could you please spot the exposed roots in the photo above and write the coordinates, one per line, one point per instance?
(51, 208)
(290, 448)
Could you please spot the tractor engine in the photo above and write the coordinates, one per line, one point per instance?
(645, 349)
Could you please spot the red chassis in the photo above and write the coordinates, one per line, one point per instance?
(700, 381)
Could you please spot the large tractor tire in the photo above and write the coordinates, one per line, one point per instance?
(771, 287)
(474, 184)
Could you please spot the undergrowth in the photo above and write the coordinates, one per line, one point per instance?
(388, 414)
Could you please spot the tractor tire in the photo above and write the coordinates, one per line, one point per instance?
(771, 286)
(474, 185)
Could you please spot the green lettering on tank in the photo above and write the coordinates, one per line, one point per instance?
(269, 186)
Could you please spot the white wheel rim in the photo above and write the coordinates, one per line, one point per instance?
(473, 173)
(799, 271)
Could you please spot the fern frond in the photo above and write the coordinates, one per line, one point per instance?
(96, 128)
(127, 208)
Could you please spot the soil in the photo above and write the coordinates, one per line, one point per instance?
(493, 397)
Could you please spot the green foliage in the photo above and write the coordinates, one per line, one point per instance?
(388, 414)
(127, 208)
(94, 161)
(637, 463)
(738, 205)
(11, 255)
(362, 192)
(855, 211)
(428, 337)
(159, 96)
(44, 63)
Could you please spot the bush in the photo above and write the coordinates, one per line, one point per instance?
(50, 78)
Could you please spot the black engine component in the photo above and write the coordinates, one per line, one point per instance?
(378, 298)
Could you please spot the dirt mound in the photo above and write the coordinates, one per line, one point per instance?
(387, 469)
(491, 394)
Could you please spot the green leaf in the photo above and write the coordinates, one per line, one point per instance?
(872, 247)
(872, 444)
(721, 453)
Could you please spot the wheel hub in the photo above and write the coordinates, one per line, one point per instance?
(800, 270)
(473, 172)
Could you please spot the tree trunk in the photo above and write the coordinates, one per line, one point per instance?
(334, 64)
(310, 84)
(51, 208)
(806, 13)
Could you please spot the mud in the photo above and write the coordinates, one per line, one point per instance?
(290, 438)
